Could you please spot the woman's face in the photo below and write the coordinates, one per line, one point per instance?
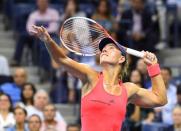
(4, 103)
(137, 5)
(71, 6)
(177, 116)
(34, 123)
(41, 100)
(19, 115)
(28, 91)
(141, 66)
(49, 112)
(42, 5)
(111, 54)
(102, 7)
(135, 77)
(166, 76)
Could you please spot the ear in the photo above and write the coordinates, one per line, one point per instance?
(121, 59)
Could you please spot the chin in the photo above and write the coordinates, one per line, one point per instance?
(103, 62)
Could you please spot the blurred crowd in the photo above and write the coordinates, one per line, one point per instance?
(138, 24)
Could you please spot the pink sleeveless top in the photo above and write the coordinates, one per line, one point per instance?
(101, 111)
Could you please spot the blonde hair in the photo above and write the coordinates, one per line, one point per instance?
(176, 107)
(124, 68)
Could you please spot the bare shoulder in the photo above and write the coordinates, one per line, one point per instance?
(91, 73)
(131, 88)
(90, 84)
(82, 71)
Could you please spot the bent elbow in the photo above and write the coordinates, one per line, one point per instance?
(163, 102)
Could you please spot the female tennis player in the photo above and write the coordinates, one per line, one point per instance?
(104, 96)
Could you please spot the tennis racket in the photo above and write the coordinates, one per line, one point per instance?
(82, 35)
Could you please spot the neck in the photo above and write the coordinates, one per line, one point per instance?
(42, 11)
(138, 11)
(177, 126)
(139, 84)
(39, 108)
(111, 75)
(20, 126)
(167, 85)
(50, 122)
(28, 101)
(103, 16)
(4, 112)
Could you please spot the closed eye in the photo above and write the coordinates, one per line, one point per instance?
(112, 47)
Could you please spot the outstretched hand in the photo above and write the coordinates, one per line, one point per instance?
(149, 58)
(41, 33)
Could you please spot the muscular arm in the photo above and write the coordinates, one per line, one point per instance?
(81, 71)
(145, 98)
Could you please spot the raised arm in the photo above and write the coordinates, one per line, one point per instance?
(145, 98)
(81, 71)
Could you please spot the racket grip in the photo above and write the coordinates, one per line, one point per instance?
(134, 52)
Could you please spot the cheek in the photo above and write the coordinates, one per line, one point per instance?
(133, 78)
(177, 117)
(28, 92)
(114, 55)
(19, 117)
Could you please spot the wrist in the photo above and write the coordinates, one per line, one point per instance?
(153, 70)
(48, 40)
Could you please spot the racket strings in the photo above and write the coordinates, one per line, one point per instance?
(82, 36)
(93, 27)
(78, 43)
(91, 37)
(85, 49)
(71, 35)
(83, 29)
(79, 46)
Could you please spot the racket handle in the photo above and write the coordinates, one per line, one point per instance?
(134, 52)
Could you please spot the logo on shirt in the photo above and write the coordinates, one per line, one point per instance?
(104, 102)
(111, 101)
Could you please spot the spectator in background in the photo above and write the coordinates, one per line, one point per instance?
(14, 89)
(49, 120)
(103, 15)
(20, 118)
(137, 78)
(73, 127)
(4, 66)
(137, 28)
(27, 95)
(34, 123)
(179, 94)
(59, 92)
(4, 70)
(41, 99)
(135, 114)
(23, 40)
(44, 16)
(6, 115)
(176, 115)
(141, 66)
(71, 9)
(49, 18)
(165, 112)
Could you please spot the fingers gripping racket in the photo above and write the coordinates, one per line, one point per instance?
(82, 36)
